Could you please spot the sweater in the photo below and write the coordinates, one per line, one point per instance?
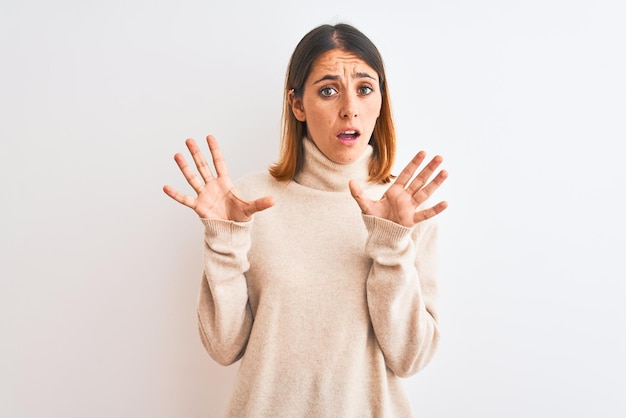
(326, 308)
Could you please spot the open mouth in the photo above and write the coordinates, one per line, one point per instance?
(349, 135)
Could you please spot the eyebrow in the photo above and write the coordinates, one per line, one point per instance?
(336, 77)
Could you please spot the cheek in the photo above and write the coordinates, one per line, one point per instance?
(374, 111)
(320, 115)
(379, 106)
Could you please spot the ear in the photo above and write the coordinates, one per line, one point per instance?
(296, 106)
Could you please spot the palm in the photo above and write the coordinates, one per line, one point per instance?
(215, 200)
(400, 202)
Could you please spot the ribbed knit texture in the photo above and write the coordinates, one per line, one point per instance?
(326, 308)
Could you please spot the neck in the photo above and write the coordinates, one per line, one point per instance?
(319, 172)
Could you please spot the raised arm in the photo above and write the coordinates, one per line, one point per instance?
(402, 292)
(402, 283)
(224, 317)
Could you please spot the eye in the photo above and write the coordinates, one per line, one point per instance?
(327, 91)
(365, 90)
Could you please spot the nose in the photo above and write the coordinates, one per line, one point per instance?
(349, 106)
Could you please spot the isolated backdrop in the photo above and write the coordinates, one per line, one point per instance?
(99, 270)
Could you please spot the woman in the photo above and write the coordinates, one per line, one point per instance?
(325, 287)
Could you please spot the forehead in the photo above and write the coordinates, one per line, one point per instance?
(340, 62)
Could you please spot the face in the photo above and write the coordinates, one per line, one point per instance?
(340, 105)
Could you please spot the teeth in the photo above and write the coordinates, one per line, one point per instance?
(350, 132)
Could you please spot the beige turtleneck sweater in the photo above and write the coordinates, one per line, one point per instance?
(326, 308)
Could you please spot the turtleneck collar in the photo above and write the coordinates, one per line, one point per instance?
(319, 172)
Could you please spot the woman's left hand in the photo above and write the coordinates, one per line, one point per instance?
(399, 204)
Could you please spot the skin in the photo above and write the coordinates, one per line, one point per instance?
(216, 195)
(341, 95)
(340, 105)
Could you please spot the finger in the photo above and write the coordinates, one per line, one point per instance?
(423, 176)
(425, 192)
(357, 193)
(179, 197)
(422, 215)
(189, 174)
(406, 174)
(218, 158)
(198, 159)
(258, 205)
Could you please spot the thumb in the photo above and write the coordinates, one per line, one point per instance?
(263, 203)
(258, 205)
(357, 193)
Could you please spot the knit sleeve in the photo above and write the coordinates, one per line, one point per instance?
(224, 316)
(402, 292)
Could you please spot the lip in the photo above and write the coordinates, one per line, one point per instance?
(348, 135)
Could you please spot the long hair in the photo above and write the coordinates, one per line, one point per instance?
(315, 43)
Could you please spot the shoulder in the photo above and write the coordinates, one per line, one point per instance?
(256, 184)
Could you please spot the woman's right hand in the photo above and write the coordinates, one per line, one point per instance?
(216, 195)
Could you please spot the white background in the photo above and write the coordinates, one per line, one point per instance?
(99, 270)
